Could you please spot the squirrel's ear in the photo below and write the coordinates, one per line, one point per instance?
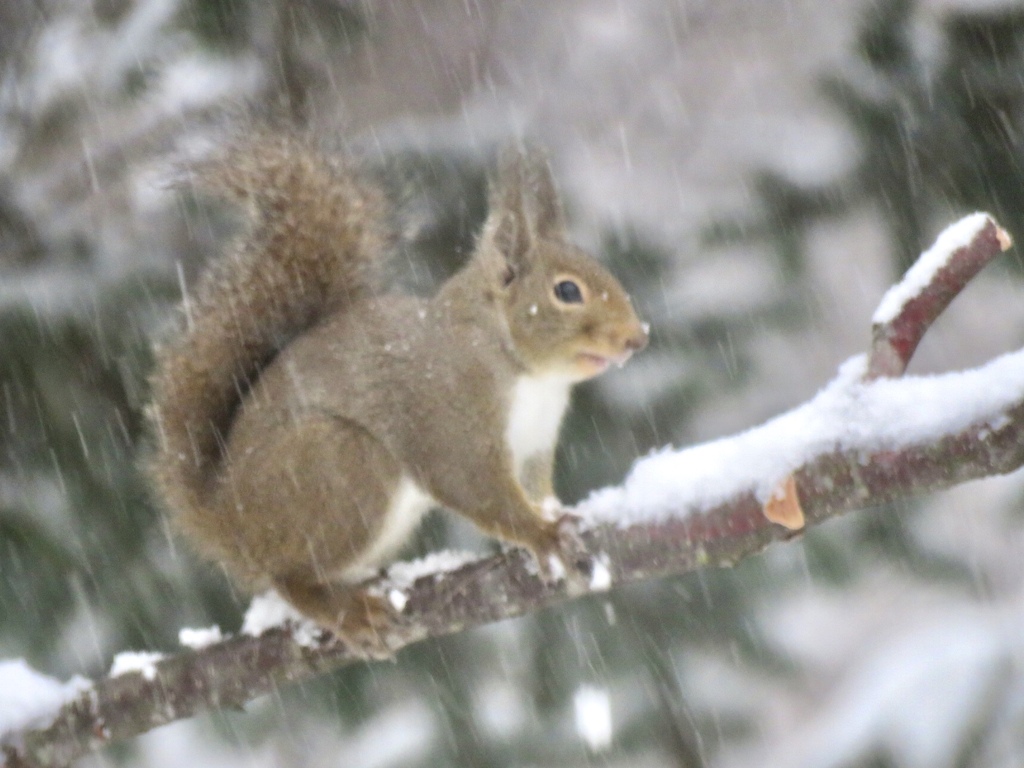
(546, 220)
(524, 205)
(507, 224)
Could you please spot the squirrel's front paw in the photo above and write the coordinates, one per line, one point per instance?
(551, 508)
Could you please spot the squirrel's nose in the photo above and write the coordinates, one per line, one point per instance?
(639, 339)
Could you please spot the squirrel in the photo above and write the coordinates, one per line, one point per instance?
(308, 416)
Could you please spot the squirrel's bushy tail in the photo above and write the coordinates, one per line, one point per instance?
(316, 234)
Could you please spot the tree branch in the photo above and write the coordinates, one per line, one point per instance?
(836, 479)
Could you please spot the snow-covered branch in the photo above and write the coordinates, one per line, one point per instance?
(865, 439)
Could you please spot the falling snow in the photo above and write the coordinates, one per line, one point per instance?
(600, 574)
(593, 711)
(398, 599)
(660, 118)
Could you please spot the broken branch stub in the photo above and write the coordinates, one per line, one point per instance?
(911, 306)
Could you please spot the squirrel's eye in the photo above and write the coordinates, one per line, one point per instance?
(568, 292)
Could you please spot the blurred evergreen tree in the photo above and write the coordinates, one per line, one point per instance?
(939, 115)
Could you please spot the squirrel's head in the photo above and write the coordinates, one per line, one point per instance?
(566, 314)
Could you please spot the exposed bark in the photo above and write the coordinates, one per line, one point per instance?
(229, 673)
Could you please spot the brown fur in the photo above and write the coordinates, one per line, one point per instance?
(301, 397)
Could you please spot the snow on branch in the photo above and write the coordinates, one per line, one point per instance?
(867, 438)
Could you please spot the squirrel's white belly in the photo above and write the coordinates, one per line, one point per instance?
(408, 506)
(538, 404)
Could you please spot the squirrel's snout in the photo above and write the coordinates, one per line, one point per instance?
(629, 342)
(638, 340)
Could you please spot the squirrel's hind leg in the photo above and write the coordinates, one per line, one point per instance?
(361, 621)
(311, 499)
(309, 496)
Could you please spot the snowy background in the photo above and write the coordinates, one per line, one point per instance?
(758, 173)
